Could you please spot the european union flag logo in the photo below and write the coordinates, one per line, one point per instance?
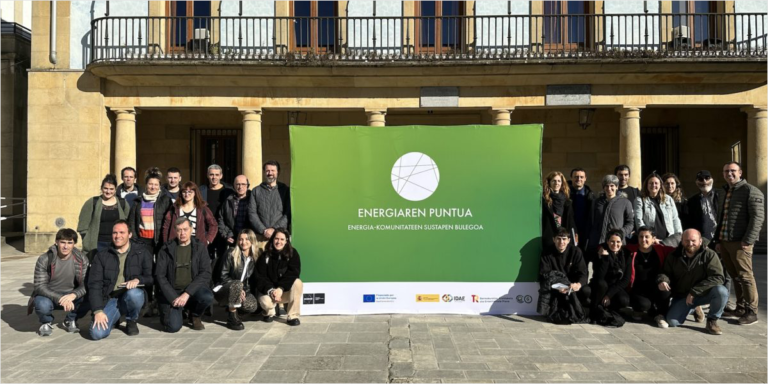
(369, 298)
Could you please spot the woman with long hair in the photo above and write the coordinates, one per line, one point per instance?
(655, 210)
(146, 218)
(556, 209)
(277, 277)
(672, 187)
(612, 274)
(235, 289)
(191, 205)
(97, 216)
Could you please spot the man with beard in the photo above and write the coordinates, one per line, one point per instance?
(582, 199)
(623, 172)
(270, 206)
(702, 207)
(173, 175)
(694, 275)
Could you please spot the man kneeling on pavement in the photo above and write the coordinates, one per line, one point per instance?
(694, 275)
(115, 283)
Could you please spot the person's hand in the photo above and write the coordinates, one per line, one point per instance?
(277, 295)
(576, 287)
(66, 301)
(100, 321)
(231, 240)
(181, 300)
(601, 251)
(689, 300)
(606, 301)
(268, 232)
(717, 248)
(564, 291)
(744, 246)
(131, 284)
(664, 287)
(242, 296)
(657, 241)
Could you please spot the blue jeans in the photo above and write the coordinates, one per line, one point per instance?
(171, 317)
(717, 297)
(44, 308)
(129, 304)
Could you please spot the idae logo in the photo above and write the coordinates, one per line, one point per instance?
(415, 176)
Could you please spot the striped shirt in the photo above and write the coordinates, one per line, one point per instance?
(147, 225)
(192, 216)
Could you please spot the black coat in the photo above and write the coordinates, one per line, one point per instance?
(616, 270)
(280, 273)
(162, 205)
(570, 263)
(165, 271)
(548, 225)
(226, 215)
(583, 228)
(105, 268)
(695, 216)
(229, 273)
(559, 309)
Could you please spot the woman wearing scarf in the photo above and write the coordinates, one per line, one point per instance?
(98, 215)
(656, 210)
(146, 217)
(556, 209)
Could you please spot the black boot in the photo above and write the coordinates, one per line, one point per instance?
(234, 323)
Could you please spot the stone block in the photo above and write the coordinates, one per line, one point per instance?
(314, 338)
(346, 377)
(351, 349)
(583, 160)
(647, 376)
(307, 363)
(362, 363)
(296, 350)
(279, 376)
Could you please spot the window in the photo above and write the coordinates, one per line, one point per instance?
(315, 27)
(567, 25)
(188, 20)
(439, 25)
(694, 20)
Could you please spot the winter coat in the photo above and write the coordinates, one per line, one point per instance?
(583, 228)
(105, 269)
(279, 272)
(162, 205)
(746, 213)
(571, 263)
(226, 216)
(228, 190)
(695, 276)
(559, 309)
(205, 230)
(549, 226)
(137, 187)
(90, 219)
(645, 215)
(270, 207)
(230, 273)
(662, 251)
(695, 215)
(44, 271)
(617, 214)
(165, 270)
(614, 270)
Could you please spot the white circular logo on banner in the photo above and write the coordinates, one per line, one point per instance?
(415, 176)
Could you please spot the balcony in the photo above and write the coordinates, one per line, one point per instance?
(428, 40)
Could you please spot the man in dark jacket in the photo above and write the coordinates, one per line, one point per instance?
(623, 172)
(741, 214)
(568, 260)
(115, 284)
(694, 275)
(60, 283)
(129, 190)
(702, 207)
(270, 206)
(215, 194)
(582, 199)
(182, 274)
(233, 214)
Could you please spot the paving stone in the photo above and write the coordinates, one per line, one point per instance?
(296, 349)
(278, 377)
(493, 375)
(401, 370)
(352, 349)
(365, 363)
(346, 377)
(597, 376)
(368, 337)
(303, 363)
(439, 374)
(647, 376)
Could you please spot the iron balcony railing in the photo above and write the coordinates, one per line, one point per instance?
(414, 38)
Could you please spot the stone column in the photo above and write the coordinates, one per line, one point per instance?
(757, 146)
(252, 144)
(629, 143)
(502, 116)
(376, 117)
(125, 138)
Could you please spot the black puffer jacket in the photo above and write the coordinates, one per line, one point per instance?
(279, 272)
(746, 213)
(105, 268)
(230, 273)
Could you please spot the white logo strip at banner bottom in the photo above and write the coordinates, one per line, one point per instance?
(433, 298)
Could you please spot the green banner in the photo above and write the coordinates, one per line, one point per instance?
(417, 203)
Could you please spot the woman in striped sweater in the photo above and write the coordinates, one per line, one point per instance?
(146, 217)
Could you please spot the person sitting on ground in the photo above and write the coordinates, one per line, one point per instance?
(563, 261)
(694, 276)
(655, 209)
(611, 275)
(97, 216)
(60, 283)
(277, 277)
(182, 273)
(612, 209)
(644, 295)
(113, 283)
(236, 271)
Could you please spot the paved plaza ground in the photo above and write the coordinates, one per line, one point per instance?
(382, 348)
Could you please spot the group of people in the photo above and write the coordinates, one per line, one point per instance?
(654, 253)
(174, 247)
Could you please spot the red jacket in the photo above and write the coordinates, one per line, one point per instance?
(661, 250)
(205, 230)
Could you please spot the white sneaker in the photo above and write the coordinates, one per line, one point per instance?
(661, 322)
(45, 329)
(71, 326)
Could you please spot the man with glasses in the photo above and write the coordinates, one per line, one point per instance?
(233, 218)
(741, 214)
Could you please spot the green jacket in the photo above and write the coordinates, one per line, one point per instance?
(90, 218)
(746, 213)
(695, 275)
